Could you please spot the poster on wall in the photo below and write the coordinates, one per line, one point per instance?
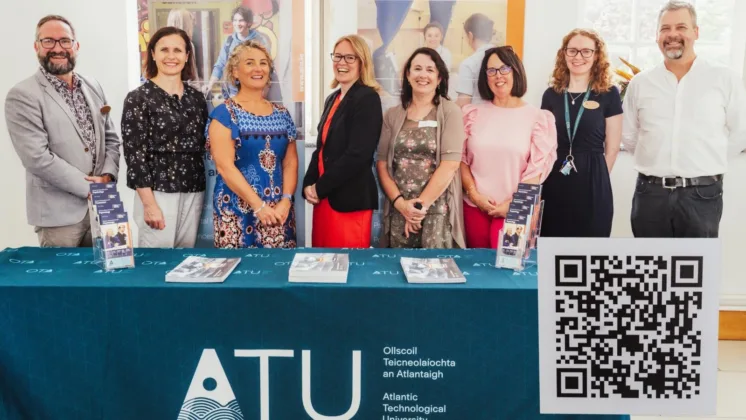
(216, 28)
(459, 30)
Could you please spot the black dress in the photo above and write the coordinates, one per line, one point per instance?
(580, 204)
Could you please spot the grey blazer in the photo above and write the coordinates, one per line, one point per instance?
(49, 142)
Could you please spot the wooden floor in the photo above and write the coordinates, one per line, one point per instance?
(732, 325)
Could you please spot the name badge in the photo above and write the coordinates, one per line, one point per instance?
(426, 124)
(591, 104)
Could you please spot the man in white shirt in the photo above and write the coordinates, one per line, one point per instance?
(682, 119)
(479, 30)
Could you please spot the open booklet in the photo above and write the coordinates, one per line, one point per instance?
(319, 268)
(431, 270)
(202, 270)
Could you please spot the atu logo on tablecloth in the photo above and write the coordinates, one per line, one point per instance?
(210, 395)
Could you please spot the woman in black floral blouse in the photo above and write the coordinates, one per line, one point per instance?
(163, 128)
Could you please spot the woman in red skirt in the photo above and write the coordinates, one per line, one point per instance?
(339, 181)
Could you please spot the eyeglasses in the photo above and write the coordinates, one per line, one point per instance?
(349, 58)
(49, 43)
(492, 71)
(585, 52)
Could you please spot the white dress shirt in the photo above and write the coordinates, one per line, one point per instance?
(685, 128)
(468, 74)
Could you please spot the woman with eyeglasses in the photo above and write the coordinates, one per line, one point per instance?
(419, 156)
(339, 181)
(578, 200)
(508, 142)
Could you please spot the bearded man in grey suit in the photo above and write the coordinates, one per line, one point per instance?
(61, 129)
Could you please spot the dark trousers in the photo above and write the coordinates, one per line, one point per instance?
(687, 212)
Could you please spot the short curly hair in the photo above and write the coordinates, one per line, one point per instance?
(236, 54)
(600, 80)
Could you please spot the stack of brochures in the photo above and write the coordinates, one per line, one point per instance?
(202, 270)
(431, 270)
(522, 227)
(319, 268)
(110, 228)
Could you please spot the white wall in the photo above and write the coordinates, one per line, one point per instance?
(104, 55)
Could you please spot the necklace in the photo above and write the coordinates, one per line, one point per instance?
(574, 98)
(415, 114)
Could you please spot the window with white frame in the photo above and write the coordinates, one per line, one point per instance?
(629, 28)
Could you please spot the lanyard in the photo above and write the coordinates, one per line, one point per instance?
(577, 120)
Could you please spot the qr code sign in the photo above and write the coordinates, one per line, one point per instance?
(630, 331)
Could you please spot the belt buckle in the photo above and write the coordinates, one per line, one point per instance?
(673, 187)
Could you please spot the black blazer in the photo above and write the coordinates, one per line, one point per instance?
(348, 181)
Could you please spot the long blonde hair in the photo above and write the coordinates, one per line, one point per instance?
(360, 47)
(600, 79)
(233, 59)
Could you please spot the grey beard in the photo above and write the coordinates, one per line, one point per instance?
(57, 69)
(675, 54)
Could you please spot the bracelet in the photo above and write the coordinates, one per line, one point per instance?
(264, 203)
(398, 197)
(288, 196)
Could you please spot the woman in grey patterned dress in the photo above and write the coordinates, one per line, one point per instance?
(418, 160)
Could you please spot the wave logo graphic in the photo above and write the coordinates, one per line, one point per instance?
(210, 396)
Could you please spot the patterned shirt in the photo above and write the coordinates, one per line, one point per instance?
(164, 139)
(75, 100)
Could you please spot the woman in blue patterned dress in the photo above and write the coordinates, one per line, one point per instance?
(253, 145)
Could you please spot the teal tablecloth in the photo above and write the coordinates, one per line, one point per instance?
(78, 343)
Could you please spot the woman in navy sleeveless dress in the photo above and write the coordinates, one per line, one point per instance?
(581, 203)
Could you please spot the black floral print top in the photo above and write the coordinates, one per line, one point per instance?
(164, 139)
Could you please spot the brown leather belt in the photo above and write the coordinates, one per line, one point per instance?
(679, 182)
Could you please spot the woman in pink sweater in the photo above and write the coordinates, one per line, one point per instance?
(507, 142)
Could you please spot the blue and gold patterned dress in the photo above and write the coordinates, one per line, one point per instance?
(261, 143)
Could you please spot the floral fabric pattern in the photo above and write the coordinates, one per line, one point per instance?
(415, 151)
(164, 139)
(261, 144)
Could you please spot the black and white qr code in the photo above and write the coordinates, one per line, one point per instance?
(626, 327)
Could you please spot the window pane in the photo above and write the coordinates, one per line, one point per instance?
(647, 57)
(715, 20)
(647, 19)
(618, 51)
(719, 54)
(611, 18)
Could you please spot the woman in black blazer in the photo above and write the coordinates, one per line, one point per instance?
(339, 181)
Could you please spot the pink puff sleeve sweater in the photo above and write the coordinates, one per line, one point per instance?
(506, 146)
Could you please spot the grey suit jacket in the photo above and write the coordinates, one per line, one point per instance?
(47, 138)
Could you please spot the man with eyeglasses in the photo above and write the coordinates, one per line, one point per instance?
(682, 119)
(60, 127)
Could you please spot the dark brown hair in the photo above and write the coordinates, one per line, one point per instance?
(245, 13)
(440, 92)
(509, 58)
(151, 69)
(50, 18)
